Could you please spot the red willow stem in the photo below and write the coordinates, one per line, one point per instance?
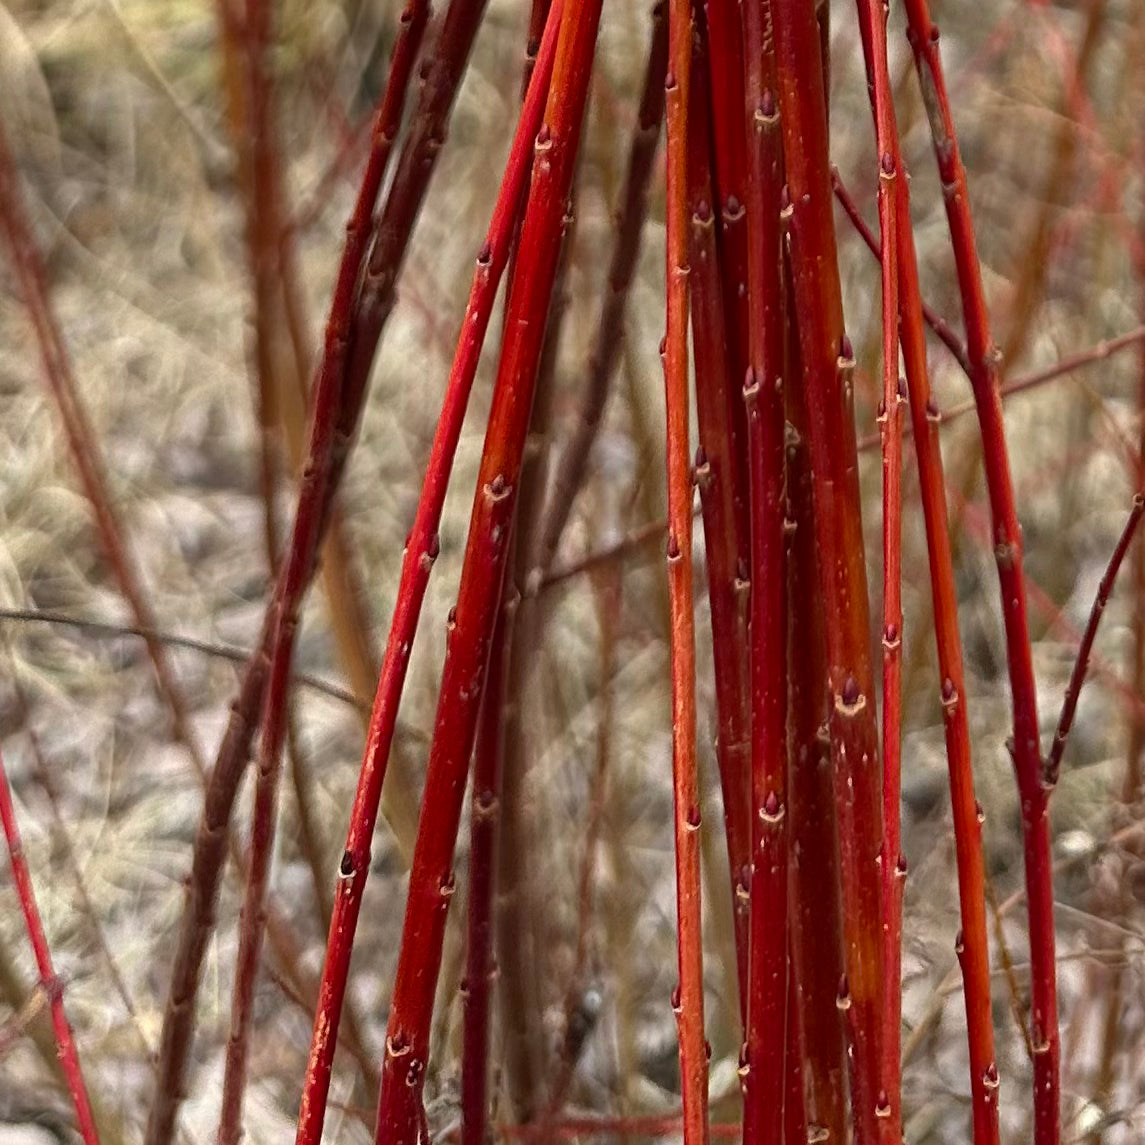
(715, 477)
(1081, 664)
(766, 1043)
(891, 176)
(521, 914)
(827, 366)
(494, 820)
(440, 76)
(816, 923)
(688, 997)
(570, 469)
(794, 1098)
(298, 567)
(485, 812)
(52, 986)
(332, 422)
(541, 534)
(972, 943)
(725, 42)
(538, 18)
(417, 561)
(1034, 790)
(400, 1112)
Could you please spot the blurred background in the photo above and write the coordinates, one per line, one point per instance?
(116, 112)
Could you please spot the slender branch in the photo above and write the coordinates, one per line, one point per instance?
(816, 919)
(972, 942)
(400, 1111)
(417, 561)
(52, 985)
(484, 818)
(1081, 663)
(715, 478)
(570, 468)
(1007, 538)
(891, 199)
(731, 177)
(336, 405)
(221, 651)
(828, 365)
(764, 1065)
(688, 997)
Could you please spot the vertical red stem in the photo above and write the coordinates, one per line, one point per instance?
(716, 476)
(485, 813)
(1033, 789)
(872, 21)
(827, 366)
(49, 982)
(763, 394)
(816, 937)
(688, 1000)
(417, 561)
(400, 1112)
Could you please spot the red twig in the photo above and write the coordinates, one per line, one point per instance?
(1081, 663)
(766, 1043)
(417, 561)
(827, 368)
(1007, 538)
(815, 918)
(400, 1112)
(570, 469)
(485, 813)
(51, 985)
(298, 568)
(973, 948)
(715, 477)
(731, 170)
(688, 997)
(891, 196)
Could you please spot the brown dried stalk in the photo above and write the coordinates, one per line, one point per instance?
(337, 404)
(296, 573)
